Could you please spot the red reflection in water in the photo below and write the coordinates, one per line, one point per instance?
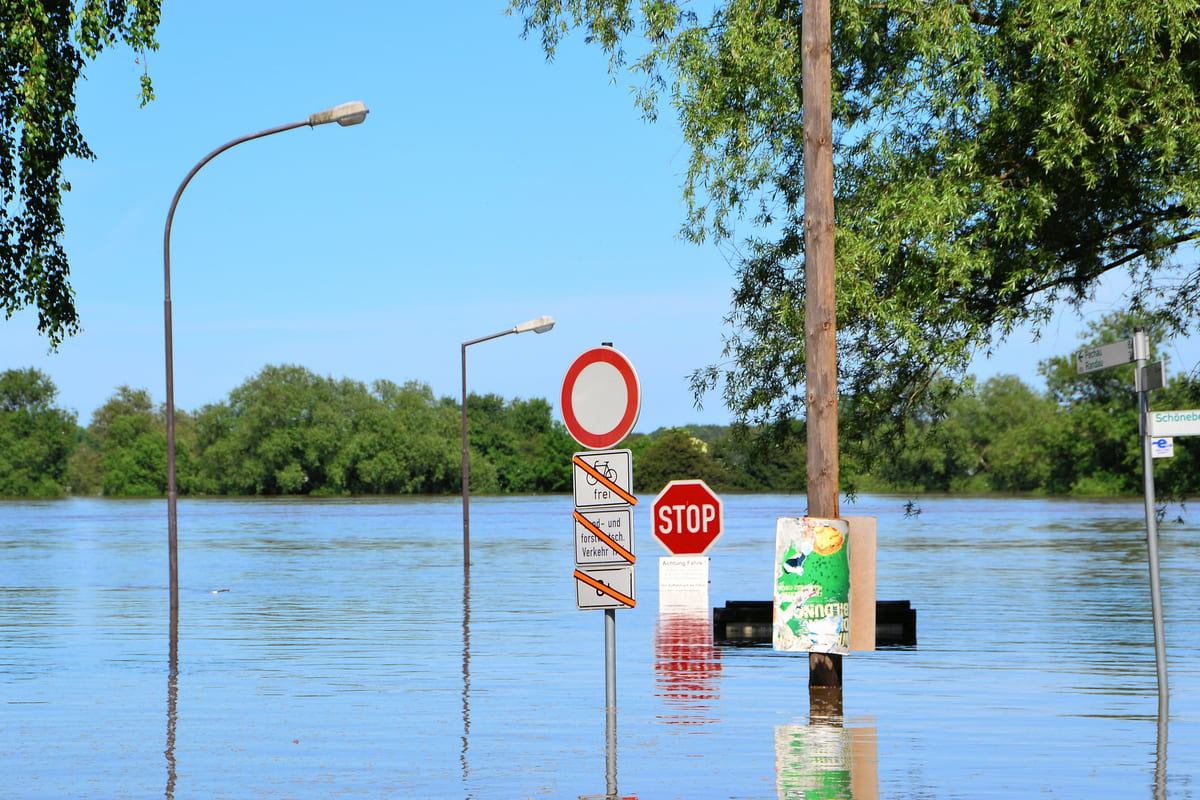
(686, 666)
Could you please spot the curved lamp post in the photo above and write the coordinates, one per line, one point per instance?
(539, 325)
(345, 114)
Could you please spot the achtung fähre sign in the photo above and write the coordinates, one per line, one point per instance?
(1110, 355)
(1174, 423)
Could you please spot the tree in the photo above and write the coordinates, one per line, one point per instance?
(36, 436)
(1021, 435)
(127, 440)
(44, 46)
(995, 160)
(1178, 477)
(409, 446)
(518, 443)
(675, 454)
(1100, 452)
(279, 433)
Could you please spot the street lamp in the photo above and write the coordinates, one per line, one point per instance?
(346, 114)
(539, 325)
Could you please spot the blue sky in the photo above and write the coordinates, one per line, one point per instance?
(486, 188)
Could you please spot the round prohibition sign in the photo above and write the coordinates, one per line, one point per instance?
(601, 398)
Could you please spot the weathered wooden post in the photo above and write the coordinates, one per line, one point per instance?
(820, 316)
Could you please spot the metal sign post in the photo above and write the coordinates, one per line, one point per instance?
(1147, 377)
(1141, 351)
(601, 400)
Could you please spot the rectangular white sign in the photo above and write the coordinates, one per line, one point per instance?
(1110, 355)
(602, 478)
(682, 574)
(591, 528)
(1174, 423)
(604, 587)
(1162, 447)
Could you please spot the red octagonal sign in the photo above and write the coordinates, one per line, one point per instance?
(687, 517)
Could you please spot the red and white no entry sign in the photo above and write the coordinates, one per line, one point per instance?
(601, 398)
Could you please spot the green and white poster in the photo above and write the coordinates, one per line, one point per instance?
(812, 585)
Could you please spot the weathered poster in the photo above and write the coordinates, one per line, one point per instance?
(812, 585)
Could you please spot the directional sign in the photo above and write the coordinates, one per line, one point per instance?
(604, 536)
(601, 398)
(1151, 377)
(687, 517)
(603, 478)
(1110, 355)
(1174, 423)
(604, 587)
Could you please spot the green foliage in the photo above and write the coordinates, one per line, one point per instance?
(1097, 448)
(126, 443)
(675, 454)
(1178, 477)
(770, 458)
(43, 48)
(289, 431)
(518, 445)
(1078, 437)
(36, 436)
(994, 161)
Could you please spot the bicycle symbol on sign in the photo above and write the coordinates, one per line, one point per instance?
(604, 469)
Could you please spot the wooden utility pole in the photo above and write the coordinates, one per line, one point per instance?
(820, 314)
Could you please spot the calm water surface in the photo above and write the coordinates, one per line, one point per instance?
(334, 649)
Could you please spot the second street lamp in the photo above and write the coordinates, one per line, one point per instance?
(345, 115)
(539, 325)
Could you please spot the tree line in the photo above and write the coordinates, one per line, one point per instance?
(288, 431)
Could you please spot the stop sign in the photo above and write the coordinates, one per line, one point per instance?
(687, 517)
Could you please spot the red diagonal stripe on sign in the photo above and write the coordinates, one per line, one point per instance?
(590, 470)
(604, 587)
(604, 537)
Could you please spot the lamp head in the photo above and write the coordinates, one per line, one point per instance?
(345, 115)
(539, 325)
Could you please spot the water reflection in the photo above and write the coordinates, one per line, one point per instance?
(826, 759)
(466, 673)
(172, 701)
(1160, 754)
(687, 665)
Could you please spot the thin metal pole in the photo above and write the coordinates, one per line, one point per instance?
(466, 469)
(1141, 350)
(610, 657)
(610, 698)
(466, 456)
(172, 493)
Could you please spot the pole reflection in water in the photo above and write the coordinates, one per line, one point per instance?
(466, 672)
(1160, 753)
(172, 701)
(824, 758)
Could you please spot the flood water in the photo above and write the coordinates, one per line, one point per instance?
(335, 649)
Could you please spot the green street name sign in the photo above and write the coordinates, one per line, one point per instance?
(1174, 423)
